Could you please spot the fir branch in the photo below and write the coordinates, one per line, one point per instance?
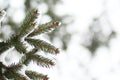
(44, 46)
(30, 17)
(11, 72)
(28, 23)
(27, 29)
(45, 28)
(14, 75)
(35, 76)
(15, 67)
(42, 61)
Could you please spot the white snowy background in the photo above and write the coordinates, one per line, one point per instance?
(77, 63)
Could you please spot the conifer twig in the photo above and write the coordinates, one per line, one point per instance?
(44, 46)
(18, 41)
(45, 28)
(35, 76)
(29, 23)
(42, 61)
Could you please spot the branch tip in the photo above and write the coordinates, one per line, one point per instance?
(57, 23)
(57, 51)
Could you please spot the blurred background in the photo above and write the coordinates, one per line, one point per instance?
(89, 37)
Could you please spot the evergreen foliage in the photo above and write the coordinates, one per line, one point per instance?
(26, 34)
(49, 8)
